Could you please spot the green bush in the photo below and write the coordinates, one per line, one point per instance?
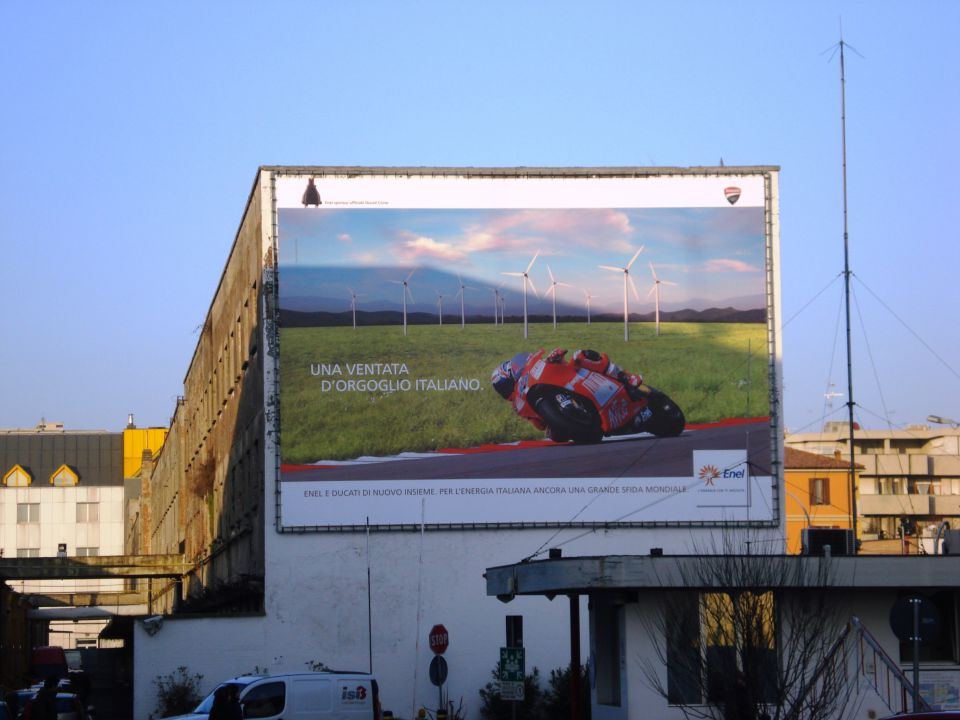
(556, 698)
(552, 703)
(177, 692)
(492, 707)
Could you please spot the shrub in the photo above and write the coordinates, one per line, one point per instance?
(492, 707)
(177, 692)
(556, 698)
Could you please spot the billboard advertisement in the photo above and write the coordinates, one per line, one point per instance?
(473, 349)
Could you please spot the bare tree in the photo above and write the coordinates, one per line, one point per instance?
(748, 636)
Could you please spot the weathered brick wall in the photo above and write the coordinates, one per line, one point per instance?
(204, 497)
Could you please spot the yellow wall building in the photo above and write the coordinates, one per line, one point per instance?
(135, 441)
(817, 493)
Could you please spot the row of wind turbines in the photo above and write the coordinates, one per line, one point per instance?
(527, 281)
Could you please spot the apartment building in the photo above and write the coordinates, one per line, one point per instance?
(910, 478)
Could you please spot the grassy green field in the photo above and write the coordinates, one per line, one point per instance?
(703, 367)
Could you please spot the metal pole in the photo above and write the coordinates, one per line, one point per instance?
(626, 311)
(846, 277)
(574, 657)
(916, 653)
(369, 604)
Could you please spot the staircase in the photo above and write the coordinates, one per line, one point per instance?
(881, 672)
(854, 660)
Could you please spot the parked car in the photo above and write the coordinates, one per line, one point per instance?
(69, 706)
(16, 699)
(307, 696)
(48, 660)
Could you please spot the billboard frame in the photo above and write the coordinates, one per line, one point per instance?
(271, 324)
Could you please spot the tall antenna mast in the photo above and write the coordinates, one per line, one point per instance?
(846, 284)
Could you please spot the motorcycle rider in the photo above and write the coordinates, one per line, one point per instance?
(507, 373)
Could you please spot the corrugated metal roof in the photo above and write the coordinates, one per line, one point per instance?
(96, 457)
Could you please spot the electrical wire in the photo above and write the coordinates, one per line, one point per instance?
(909, 329)
(583, 509)
(621, 518)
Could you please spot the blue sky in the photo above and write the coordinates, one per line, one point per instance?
(132, 133)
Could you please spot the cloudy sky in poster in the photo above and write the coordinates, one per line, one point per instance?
(715, 257)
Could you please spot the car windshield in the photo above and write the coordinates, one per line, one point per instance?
(207, 702)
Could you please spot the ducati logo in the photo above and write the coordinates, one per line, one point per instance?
(733, 194)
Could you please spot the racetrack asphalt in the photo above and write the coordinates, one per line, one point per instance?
(633, 456)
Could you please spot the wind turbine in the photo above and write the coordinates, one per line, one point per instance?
(627, 280)
(353, 305)
(588, 297)
(404, 293)
(657, 282)
(497, 297)
(554, 284)
(525, 275)
(440, 305)
(462, 289)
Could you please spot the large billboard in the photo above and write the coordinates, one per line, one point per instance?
(423, 318)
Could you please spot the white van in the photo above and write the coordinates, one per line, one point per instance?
(301, 696)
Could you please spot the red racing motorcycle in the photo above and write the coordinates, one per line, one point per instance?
(583, 406)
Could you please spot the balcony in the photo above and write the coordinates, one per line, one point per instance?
(902, 504)
(946, 505)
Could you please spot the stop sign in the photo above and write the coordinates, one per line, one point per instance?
(439, 639)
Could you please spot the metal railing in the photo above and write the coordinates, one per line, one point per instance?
(884, 675)
(856, 654)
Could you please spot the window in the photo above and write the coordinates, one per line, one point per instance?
(64, 477)
(28, 513)
(28, 552)
(714, 638)
(683, 650)
(17, 477)
(88, 512)
(819, 491)
(606, 621)
(87, 551)
(264, 700)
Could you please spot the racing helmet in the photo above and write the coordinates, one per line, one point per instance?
(505, 375)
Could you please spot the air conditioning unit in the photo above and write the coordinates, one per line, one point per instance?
(841, 541)
(951, 543)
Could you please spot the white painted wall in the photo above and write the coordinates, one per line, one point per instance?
(316, 610)
(217, 648)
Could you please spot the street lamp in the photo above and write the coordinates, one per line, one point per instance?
(943, 421)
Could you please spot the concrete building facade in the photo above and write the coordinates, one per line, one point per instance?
(262, 595)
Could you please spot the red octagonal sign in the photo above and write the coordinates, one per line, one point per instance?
(439, 639)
